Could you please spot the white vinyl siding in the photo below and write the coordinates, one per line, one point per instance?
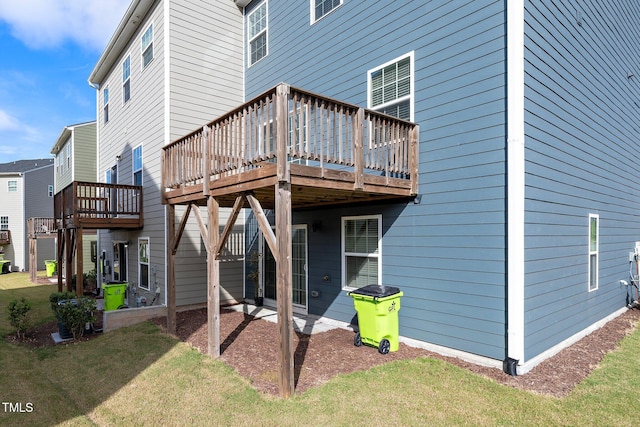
(391, 87)
(361, 251)
(258, 33)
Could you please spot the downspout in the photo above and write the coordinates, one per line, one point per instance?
(515, 186)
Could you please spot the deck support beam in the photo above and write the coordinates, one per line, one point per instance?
(79, 263)
(172, 247)
(213, 279)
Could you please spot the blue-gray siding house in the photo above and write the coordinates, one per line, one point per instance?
(528, 204)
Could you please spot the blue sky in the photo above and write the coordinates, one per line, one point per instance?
(48, 48)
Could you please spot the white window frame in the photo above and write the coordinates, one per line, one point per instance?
(105, 105)
(68, 153)
(50, 190)
(344, 254)
(149, 46)
(126, 79)
(147, 263)
(133, 163)
(409, 97)
(593, 260)
(265, 31)
(312, 7)
(12, 186)
(4, 223)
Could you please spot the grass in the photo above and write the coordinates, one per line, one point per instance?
(139, 376)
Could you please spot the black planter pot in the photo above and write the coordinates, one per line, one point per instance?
(259, 301)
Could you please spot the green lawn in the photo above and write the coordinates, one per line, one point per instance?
(138, 376)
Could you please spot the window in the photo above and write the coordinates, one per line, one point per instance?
(147, 46)
(50, 190)
(107, 176)
(137, 165)
(594, 237)
(143, 263)
(126, 80)
(258, 33)
(361, 251)
(105, 103)
(12, 186)
(391, 88)
(4, 222)
(68, 151)
(320, 8)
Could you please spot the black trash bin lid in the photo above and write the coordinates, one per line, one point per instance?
(376, 291)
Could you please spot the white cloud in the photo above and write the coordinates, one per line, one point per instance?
(42, 24)
(7, 122)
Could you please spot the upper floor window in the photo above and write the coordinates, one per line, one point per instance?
(105, 103)
(594, 237)
(137, 165)
(391, 87)
(147, 46)
(320, 8)
(68, 152)
(4, 222)
(12, 186)
(50, 190)
(126, 80)
(257, 33)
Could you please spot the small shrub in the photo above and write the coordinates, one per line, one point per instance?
(19, 315)
(56, 297)
(76, 313)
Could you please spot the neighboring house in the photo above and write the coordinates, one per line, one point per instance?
(26, 191)
(528, 202)
(169, 67)
(75, 160)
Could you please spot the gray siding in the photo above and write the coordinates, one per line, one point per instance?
(447, 253)
(37, 203)
(84, 145)
(581, 158)
(64, 173)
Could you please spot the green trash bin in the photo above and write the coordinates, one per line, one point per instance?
(377, 308)
(51, 266)
(114, 293)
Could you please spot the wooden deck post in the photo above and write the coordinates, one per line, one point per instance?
(413, 158)
(59, 254)
(171, 268)
(79, 263)
(33, 262)
(358, 149)
(284, 287)
(213, 279)
(68, 259)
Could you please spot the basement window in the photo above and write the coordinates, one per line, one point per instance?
(361, 251)
(594, 237)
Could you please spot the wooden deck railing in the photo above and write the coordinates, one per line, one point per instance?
(320, 132)
(37, 227)
(95, 201)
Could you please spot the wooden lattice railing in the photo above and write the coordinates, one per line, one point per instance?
(319, 131)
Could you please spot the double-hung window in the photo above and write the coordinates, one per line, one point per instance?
(257, 24)
(143, 263)
(137, 165)
(50, 190)
(126, 80)
(320, 8)
(12, 186)
(391, 87)
(105, 104)
(147, 46)
(361, 251)
(4, 222)
(594, 237)
(68, 152)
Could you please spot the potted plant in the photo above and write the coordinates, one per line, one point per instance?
(254, 276)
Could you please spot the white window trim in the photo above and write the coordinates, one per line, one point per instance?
(591, 253)
(343, 254)
(4, 222)
(266, 30)
(312, 11)
(151, 44)
(148, 263)
(9, 186)
(133, 170)
(411, 95)
(127, 80)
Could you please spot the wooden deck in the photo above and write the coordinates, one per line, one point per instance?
(332, 153)
(97, 206)
(286, 149)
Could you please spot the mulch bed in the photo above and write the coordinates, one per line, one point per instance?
(249, 345)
